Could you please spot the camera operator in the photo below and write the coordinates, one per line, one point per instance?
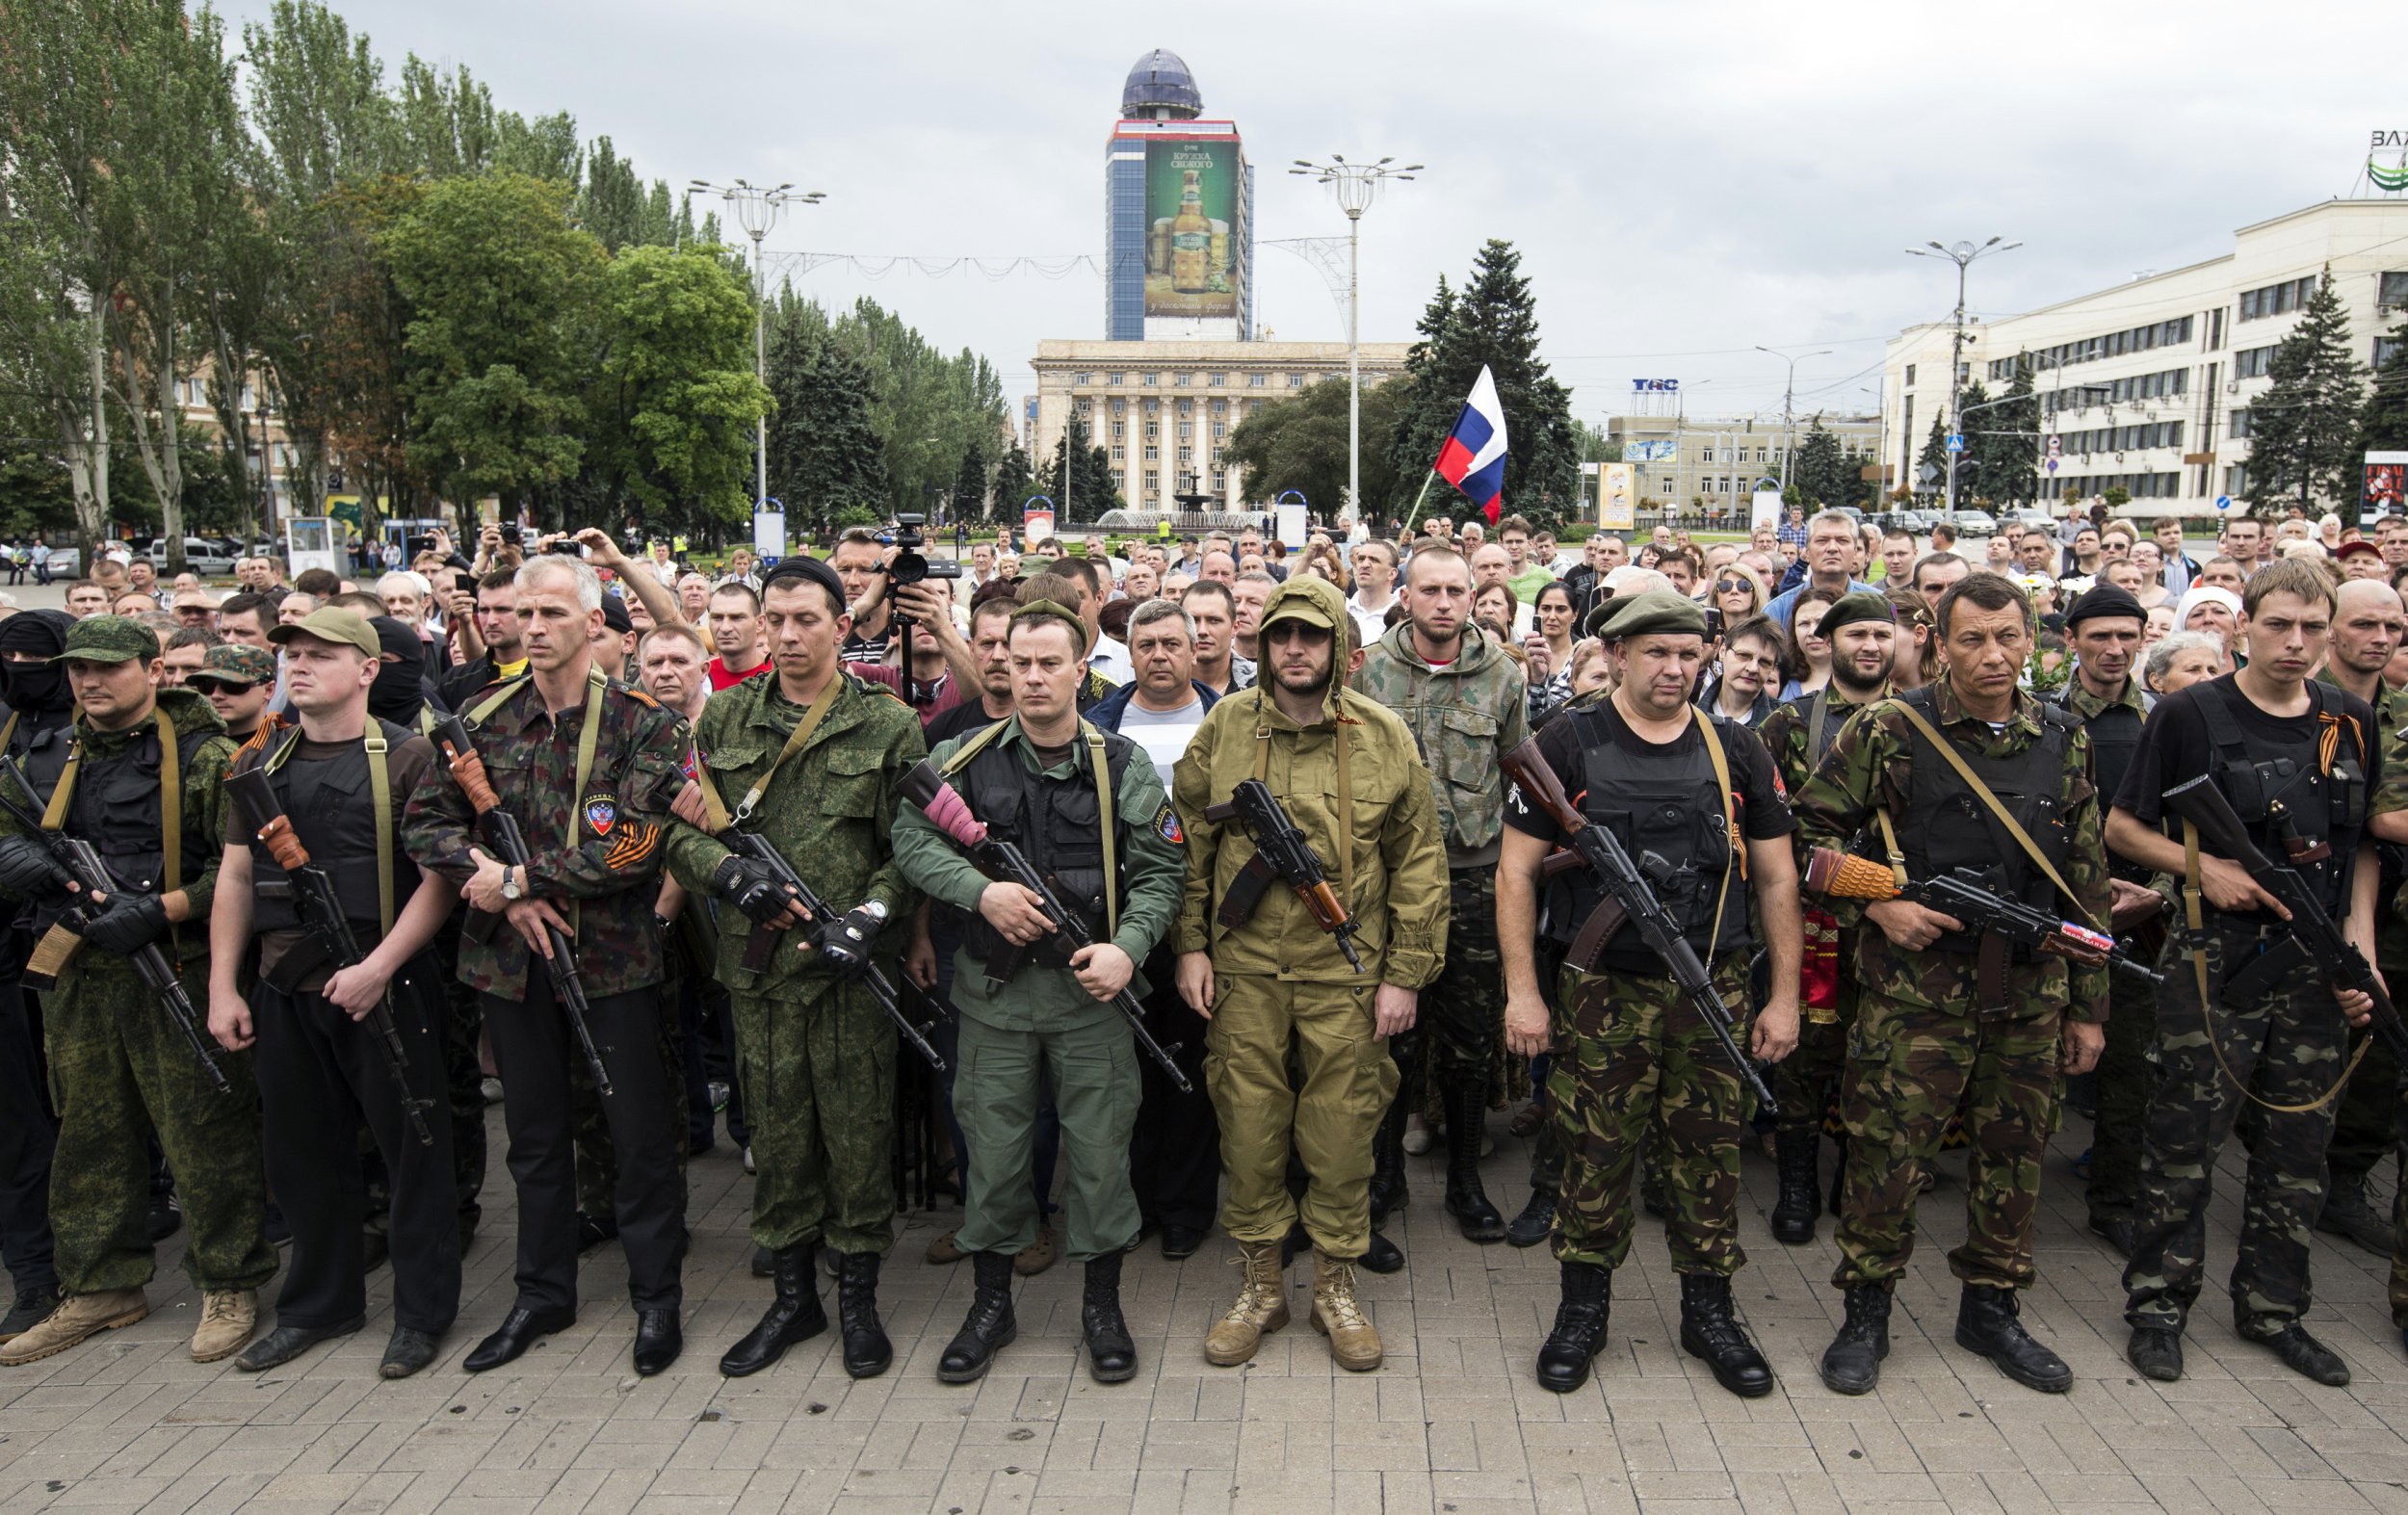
(659, 600)
(866, 571)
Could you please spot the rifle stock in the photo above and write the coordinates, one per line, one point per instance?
(1281, 846)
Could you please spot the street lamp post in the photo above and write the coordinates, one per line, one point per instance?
(758, 211)
(1963, 255)
(1789, 391)
(1355, 185)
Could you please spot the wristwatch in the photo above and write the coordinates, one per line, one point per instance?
(510, 889)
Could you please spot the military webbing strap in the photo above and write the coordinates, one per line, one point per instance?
(10, 730)
(380, 795)
(475, 714)
(171, 801)
(803, 729)
(54, 813)
(975, 744)
(1982, 791)
(2195, 918)
(1814, 720)
(1343, 826)
(1110, 823)
(1730, 820)
(589, 740)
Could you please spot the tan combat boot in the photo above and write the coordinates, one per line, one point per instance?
(227, 1317)
(1261, 1307)
(1353, 1340)
(78, 1317)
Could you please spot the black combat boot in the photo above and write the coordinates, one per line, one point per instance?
(1794, 1214)
(867, 1352)
(1852, 1363)
(2156, 1351)
(1580, 1329)
(794, 1314)
(1709, 1333)
(988, 1329)
(1111, 1357)
(1536, 1222)
(1467, 1104)
(1987, 1323)
(1389, 1191)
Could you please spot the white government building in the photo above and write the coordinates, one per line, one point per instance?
(2148, 384)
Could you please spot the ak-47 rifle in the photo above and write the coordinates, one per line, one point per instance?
(80, 862)
(923, 786)
(2315, 936)
(509, 844)
(1630, 897)
(1282, 851)
(320, 911)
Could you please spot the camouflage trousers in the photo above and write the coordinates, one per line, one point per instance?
(1912, 1069)
(120, 1073)
(1808, 1081)
(2286, 1046)
(816, 1062)
(2127, 1074)
(1632, 1060)
(1458, 1036)
(2367, 1129)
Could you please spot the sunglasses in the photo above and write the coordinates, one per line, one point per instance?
(1733, 587)
(1296, 631)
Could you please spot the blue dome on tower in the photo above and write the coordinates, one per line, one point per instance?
(1161, 88)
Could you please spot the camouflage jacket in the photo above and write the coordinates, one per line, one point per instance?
(1870, 767)
(829, 812)
(595, 856)
(1788, 730)
(1463, 716)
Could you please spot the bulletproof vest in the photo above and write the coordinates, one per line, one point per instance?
(1666, 802)
(2114, 737)
(2257, 774)
(1058, 825)
(116, 808)
(1946, 827)
(332, 805)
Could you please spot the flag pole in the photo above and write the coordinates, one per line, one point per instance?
(1408, 531)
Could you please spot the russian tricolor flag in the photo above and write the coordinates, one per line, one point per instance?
(1474, 457)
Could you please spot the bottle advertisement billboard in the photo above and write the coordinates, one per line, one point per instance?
(1193, 231)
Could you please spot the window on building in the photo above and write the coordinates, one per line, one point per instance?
(1119, 453)
(1119, 430)
(1295, 381)
(1180, 380)
(1149, 380)
(1187, 430)
(2237, 425)
(2390, 290)
(1220, 379)
(2253, 363)
(1153, 429)
(2276, 300)
(1910, 376)
(1119, 379)
(1220, 430)
(1220, 407)
(1152, 454)
(1082, 378)
(2387, 348)
(1257, 381)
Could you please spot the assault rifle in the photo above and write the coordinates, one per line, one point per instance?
(320, 911)
(1977, 901)
(509, 844)
(81, 863)
(1633, 898)
(923, 786)
(2315, 936)
(1282, 851)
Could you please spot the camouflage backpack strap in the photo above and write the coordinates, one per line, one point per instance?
(1818, 716)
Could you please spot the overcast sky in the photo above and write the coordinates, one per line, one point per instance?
(1685, 180)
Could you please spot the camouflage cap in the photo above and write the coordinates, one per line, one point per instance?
(109, 639)
(235, 663)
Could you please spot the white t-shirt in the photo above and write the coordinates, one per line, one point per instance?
(1163, 733)
(1110, 659)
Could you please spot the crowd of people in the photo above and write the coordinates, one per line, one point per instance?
(1199, 882)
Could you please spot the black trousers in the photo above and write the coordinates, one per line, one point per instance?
(28, 1133)
(702, 1008)
(1174, 1155)
(532, 1046)
(320, 1075)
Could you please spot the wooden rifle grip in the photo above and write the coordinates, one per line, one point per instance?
(277, 837)
(469, 770)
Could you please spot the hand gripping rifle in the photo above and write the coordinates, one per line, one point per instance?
(1630, 897)
(1974, 898)
(923, 786)
(2315, 937)
(1282, 851)
(508, 843)
(80, 862)
(320, 912)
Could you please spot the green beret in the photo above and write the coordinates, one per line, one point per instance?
(1861, 605)
(109, 639)
(1655, 613)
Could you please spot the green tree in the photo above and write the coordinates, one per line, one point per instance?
(1821, 474)
(2002, 444)
(1300, 443)
(1935, 456)
(2383, 420)
(970, 484)
(2304, 429)
(1090, 488)
(824, 456)
(1014, 482)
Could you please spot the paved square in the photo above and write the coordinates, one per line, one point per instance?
(1453, 1424)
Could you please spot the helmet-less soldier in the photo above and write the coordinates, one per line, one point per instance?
(1633, 1052)
(1937, 1014)
(2294, 759)
(143, 782)
(1863, 632)
(340, 779)
(1042, 780)
(589, 769)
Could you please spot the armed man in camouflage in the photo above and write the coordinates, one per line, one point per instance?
(590, 769)
(2297, 762)
(810, 757)
(1465, 704)
(143, 782)
(1863, 632)
(2009, 790)
(1630, 1052)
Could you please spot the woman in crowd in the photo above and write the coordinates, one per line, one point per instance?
(1493, 608)
(1738, 593)
(1549, 651)
(1810, 655)
(2180, 659)
(2150, 560)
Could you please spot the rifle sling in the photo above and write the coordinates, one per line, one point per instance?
(170, 805)
(380, 795)
(1343, 824)
(1990, 801)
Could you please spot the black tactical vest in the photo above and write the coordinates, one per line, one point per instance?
(2114, 737)
(1664, 800)
(116, 808)
(1057, 826)
(1946, 827)
(2256, 772)
(333, 807)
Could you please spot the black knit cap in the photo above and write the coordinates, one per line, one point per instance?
(2102, 600)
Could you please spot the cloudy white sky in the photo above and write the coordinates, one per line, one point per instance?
(1685, 180)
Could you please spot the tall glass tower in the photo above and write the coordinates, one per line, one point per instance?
(1178, 214)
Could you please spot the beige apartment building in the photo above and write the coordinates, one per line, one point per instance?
(1686, 463)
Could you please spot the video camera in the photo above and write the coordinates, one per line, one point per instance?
(910, 566)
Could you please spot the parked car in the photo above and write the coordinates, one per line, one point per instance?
(211, 558)
(1972, 523)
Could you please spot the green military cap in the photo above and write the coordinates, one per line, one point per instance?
(1655, 612)
(333, 623)
(109, 639)
(1861, 605)
(1055, 610)
(235, 663)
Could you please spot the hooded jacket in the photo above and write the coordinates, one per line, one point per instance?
(1464, 717)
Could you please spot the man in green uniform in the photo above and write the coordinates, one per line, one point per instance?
(1863, 632)
(1466, 704)
(1277, 988)
(1042, 780)
(1631, 1054)
(144, 783)
(1942, 773)
(811, 757)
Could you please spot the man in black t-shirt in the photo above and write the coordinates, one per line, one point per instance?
(2238, 1017)
(1630, 1055)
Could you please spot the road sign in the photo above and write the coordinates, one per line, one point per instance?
(2057, 453)
(1928, 474)
(2223, 502)
(1956, 441)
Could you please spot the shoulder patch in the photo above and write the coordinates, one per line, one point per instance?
(601, 813)
(1167, 824)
